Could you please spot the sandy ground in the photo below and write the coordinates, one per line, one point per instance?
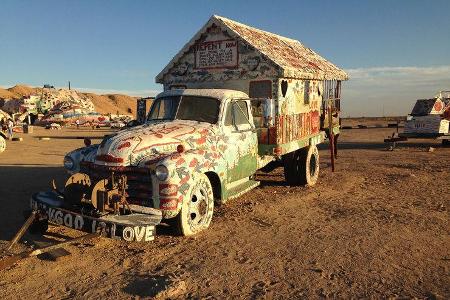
(377, 227)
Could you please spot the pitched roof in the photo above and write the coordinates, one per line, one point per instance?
(293, 58)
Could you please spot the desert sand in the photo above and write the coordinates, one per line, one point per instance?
(376, 228)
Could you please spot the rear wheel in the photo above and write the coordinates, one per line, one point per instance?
(301, 167)
(445, 143)
(197, 211)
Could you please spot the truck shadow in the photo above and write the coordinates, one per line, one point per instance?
(17, 184)
(273, 178)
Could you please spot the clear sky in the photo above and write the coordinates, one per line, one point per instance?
(394, 51)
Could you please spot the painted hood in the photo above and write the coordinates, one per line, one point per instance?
(152, 142)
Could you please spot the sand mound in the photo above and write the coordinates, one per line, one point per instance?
(113, 103)
(124, 102)
(23, 90)
(5, 94)
(104, 104)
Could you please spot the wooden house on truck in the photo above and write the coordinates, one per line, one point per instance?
(226, 54)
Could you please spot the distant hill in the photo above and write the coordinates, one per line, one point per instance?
(113, 103)
(109, 103)
(5, 94)
(23, 90)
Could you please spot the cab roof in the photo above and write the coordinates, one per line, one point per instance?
(220, 94)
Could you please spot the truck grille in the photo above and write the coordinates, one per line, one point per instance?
(139, 190)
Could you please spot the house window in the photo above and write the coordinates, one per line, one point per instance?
(260, 89)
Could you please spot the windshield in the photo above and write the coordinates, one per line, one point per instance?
(202, 109)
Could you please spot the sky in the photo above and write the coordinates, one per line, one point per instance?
(394, 51)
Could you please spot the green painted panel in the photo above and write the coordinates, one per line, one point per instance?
(246, 167)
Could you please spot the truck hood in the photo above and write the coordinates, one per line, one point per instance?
(150, 142)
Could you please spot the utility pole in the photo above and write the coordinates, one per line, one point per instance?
(69, 85)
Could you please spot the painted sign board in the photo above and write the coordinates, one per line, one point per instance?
(216, 54)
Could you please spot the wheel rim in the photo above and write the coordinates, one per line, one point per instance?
(198, 208)
(312, 165)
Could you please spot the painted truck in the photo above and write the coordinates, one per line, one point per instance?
(2, 140)
(430, 118)
(236, 100)
(3, 121)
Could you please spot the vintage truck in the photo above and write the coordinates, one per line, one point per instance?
(2, 141)
(3, 119)
(223, 115)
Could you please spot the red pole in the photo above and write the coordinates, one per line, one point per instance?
(330, 132)
(332, 150)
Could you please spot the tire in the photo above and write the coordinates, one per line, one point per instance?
(301, 167)
(445, 143)
(39, 227)
(197, 211)
(294, 164)
(2, 144)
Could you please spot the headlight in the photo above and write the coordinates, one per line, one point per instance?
(68, 163)
(161, 173)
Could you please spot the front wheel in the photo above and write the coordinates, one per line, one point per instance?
(197, 211)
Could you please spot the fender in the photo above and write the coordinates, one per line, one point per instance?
(82, 154)
(183, 168)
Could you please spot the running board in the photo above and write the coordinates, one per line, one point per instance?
(242, 189)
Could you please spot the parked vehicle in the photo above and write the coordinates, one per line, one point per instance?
(429, 119)
(217, 122)
(2, 141)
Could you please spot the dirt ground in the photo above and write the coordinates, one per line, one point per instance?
(377, 227)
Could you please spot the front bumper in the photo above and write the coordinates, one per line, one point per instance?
(138, 227)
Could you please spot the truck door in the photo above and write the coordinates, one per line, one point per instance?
(242, 141)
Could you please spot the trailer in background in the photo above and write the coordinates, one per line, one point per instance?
(429, 119)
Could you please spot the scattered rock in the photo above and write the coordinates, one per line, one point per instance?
(126, 263)
(175, 289)
(431, 149)
(156, 287)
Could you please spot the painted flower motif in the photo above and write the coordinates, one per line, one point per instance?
(183, 189)
(180, 161)
(175, 156)
(193, 162)
(222, 148)
(185, 179)
(201, 140)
